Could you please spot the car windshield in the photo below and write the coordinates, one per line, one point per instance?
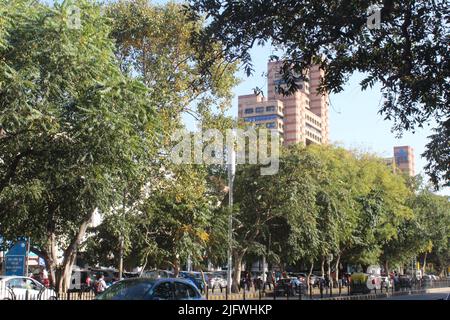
(127, 290)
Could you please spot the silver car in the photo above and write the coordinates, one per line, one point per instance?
(24, 288)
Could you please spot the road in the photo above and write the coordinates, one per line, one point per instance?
(427, 296)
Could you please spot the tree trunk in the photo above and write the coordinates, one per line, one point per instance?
(237, 272)
(329, 272)
(386, 267)
(51, 259)
(322, 267)
(70, 254)
(336, 277)
(310, 273)
(424, 263)
(176, 267)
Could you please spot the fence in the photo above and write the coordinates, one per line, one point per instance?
(24, 290)
(303, 292)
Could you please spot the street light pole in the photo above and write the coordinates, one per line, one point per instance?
(231, 172)
(122, 239)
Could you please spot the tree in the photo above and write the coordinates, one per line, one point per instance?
(383, 209)
(432, 214)
(76, 130)
(260, 201)
(408, 55)
(176, 217)
(153, 45)
(336, 202)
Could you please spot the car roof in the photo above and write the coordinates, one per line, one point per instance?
(144, 279)
(14, 277)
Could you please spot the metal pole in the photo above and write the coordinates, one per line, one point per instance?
(231, 172)
(121, 258)
(121, 239)
(27, 263)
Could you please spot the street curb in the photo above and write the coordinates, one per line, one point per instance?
(438, 290)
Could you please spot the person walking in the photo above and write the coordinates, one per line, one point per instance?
(88, 283)
(100, 284)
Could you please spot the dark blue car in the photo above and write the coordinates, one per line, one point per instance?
(195, 278)
(151, 289)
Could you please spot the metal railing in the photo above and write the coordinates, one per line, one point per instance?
(22, 292)
(287, 292)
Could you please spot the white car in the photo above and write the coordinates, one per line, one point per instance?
(218, 282)
(22, 288)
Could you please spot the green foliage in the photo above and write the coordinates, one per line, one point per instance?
(408, 55)
(177, 215)
(153, 45)
(76, 130)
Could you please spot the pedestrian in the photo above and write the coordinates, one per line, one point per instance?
(269, 281)
(87, 282)
(327, 281)
(248, 281)
(100, 284)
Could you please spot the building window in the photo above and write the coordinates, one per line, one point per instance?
(249, 111)
(259, 109)
(270, 109)
(271, 125)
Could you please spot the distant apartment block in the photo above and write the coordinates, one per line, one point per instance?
(403, 160)
(300, 117)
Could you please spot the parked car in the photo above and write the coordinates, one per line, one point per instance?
(404, 281)
(318, 280)
(131, 274)
(196, 278)
(151, 289)
(21, 288)
(435, 277)
(289, 287)
(157, 274)
(217, 281)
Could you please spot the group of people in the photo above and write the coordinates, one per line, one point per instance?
(41, 277)
(248, 282)
(98, 285)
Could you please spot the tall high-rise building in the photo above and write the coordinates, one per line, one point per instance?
(404, 159)
(299, 117)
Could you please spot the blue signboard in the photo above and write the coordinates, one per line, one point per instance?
(15, 259)
(14, 265)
